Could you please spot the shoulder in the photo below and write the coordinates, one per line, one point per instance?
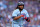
(15, 10)
(25, 10)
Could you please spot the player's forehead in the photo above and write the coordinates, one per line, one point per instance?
(21, 5)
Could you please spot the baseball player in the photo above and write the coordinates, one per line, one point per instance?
(19, 15)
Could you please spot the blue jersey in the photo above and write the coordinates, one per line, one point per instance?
(18, 13)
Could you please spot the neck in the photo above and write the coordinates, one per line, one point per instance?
(20, 10)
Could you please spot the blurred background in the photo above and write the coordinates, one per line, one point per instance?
(7, 7)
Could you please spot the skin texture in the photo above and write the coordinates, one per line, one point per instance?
(21, 7)
(18, 17)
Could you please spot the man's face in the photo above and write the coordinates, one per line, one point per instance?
(21, 7)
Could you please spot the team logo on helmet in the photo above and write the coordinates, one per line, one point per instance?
(20, 3)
